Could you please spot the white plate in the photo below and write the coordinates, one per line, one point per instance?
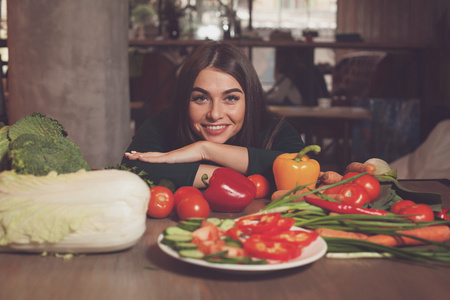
(310, 254)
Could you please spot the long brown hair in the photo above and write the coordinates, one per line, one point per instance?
(231, 60)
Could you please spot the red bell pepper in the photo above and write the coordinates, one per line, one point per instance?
(258, 223)
(275, 250)
(299, 238)
(284, 224)
(228, 190)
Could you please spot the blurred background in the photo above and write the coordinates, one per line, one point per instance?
(102, 66)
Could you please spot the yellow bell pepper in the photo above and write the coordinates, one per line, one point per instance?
(296, 169)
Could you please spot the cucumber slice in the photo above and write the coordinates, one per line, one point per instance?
(233, 243)
(227, 260)
(172, 240)
(185, 246)
(215, 221)
(227, 224)
(192, 254)
(217, 254)
(175, 230)
(189, 226)
(195, 220)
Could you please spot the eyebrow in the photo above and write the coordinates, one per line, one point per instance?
(233, 90)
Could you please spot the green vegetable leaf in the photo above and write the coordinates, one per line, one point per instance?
(434, 200)
(392, 191)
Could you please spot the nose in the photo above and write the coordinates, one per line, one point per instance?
(216, 111)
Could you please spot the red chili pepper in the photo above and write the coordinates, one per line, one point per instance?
(228, 190)
(443, 214)
(344, 208)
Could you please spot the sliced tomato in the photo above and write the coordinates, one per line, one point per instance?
(258, 223)
(275, 250)
(234, 251)
(209, 247)
(206, 233)
(299, 238)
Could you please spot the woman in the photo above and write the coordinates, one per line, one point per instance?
(218, 118)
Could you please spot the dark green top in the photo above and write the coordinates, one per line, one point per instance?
(153, 137)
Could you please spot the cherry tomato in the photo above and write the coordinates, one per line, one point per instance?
(370, 183)
(193, 206)
(161, 202)
(184, 191)
(419, 212)
(397, 206)
(262, 185)
(354, 194)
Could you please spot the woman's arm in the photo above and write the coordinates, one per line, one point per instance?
(229, 156)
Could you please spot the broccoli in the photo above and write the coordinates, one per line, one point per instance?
(37, 145)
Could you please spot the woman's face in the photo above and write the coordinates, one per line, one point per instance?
(217, 106)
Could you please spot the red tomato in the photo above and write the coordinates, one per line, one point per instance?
(184, 191)
(354, 194)
(161, 202)
(193, 206)
(419, 212)
(334, 190)
(397, 206)
(369, 182)
(262, 185)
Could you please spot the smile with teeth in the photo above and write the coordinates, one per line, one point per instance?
(215, 127)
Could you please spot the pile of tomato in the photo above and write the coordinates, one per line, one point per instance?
(358, 192)
(188, 201)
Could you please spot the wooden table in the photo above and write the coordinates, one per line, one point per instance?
(145, 272)
(313, 115)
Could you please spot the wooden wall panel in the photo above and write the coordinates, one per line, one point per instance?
(389, 21)
(407, 21)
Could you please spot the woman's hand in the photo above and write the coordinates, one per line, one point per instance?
(233, 157)
(187, 154)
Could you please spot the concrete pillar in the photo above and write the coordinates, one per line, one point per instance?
(69, 60)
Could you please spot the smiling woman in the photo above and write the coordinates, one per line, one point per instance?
(218, 117)
(217, 107)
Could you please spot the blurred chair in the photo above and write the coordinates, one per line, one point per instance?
(375, 74)
(380, 75)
